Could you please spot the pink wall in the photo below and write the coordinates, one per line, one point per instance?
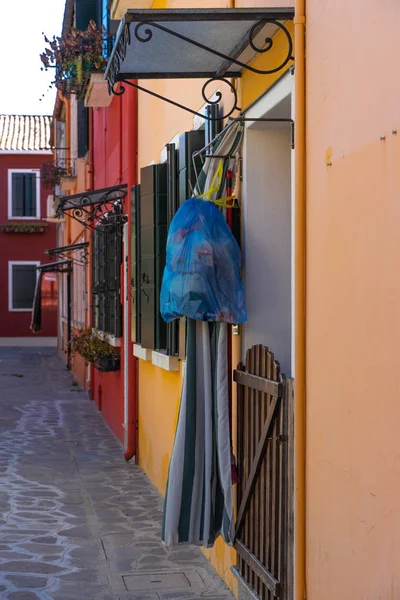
(353, 294)
(23, 247)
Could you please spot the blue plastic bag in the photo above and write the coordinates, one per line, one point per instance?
(202, 273)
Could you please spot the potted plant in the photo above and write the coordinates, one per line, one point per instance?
(17, 227)
(74, 56)
(95, 350)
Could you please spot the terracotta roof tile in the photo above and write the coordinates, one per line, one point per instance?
(24, 132)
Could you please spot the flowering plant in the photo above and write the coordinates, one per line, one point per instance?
(20, 227)
(73, 55)
(90, 345)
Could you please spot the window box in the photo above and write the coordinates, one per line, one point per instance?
(108, 363)
(24, 227)
(97, 95)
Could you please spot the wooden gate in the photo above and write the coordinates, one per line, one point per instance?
(264, 529)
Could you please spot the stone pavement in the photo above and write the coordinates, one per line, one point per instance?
(76, 521)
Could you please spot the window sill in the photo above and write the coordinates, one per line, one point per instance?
(12, 218)
(159, 359)
(142, 353)
(163, 361)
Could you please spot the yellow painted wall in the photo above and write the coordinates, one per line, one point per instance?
(353, 294)
(159, 390)
(159, 395)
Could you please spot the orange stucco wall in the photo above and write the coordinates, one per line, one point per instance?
(353, 291)
(159, 390)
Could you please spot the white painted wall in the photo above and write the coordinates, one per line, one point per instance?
(266, 223)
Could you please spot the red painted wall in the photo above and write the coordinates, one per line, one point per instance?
(114, 162)
(23, 247)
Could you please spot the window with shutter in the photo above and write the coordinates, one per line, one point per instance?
(24, 194)
(83, 128)
(153, 230)
(22, 283)
(113, 277)
(106, 278)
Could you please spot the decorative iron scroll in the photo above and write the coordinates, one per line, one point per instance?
(218, 97)
(91, 214)
(143, 33)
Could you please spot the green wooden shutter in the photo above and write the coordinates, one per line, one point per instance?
(83, 128)
(85, 10)
(153, 230)
(189, 142)
(172, 206)
(212, 128)
(24, 199)
(135, 257)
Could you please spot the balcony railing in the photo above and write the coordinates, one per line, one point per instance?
(54, 170)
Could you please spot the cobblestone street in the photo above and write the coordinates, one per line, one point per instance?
(76, 521)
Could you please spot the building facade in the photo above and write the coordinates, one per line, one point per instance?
(25, 234)
(317, 190)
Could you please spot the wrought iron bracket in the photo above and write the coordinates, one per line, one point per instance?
(143, 33)
(208, 101)
(91, 214)
(77, 253)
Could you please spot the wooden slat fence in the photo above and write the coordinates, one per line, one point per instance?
(264, 528)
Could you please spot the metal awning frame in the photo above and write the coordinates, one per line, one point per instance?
(61, 266)
(93, 208)
(80, 250)
(145, 20)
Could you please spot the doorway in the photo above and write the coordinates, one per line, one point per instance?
(267, 225)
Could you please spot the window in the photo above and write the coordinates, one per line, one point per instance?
(82, 124)
(106, 276)
(22, 278)
(23, 194)
(163, 187)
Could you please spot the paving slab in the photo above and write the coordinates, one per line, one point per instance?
(76, 521)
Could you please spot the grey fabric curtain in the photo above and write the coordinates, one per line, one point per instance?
(199, 500)
(36, 322)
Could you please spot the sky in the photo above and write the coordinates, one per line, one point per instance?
(21, 42)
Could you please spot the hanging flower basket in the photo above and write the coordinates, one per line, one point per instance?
(108, 363)
(18, 227)
(95, 349)
(74, 56)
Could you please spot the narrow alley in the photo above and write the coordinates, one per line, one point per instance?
(76, 521)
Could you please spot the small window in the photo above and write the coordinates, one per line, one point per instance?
(22, 283)
(23, 194)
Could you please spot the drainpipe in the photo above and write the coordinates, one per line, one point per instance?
(68, 153)
(89, 281)
(69, 317)
(132, 112)
(300, 306)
